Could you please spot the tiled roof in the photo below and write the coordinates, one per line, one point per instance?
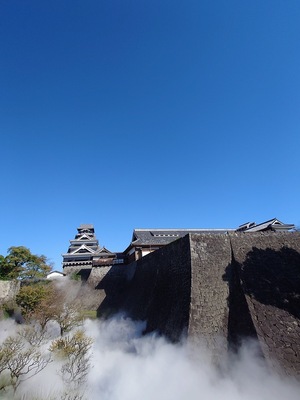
(273, 224)
(104, 252)
(165, 236)
(86, 226)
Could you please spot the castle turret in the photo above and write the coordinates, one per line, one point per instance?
(84, 251)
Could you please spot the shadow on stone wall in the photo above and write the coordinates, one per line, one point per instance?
(114, 284)
(273, 278)
(264, 301)
(240, 324)
(155, 289)
(84, 274)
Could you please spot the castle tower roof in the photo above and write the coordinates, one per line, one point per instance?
(84, 250)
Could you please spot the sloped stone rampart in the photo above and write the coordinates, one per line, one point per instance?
(217, 287)
(224, 287)
(8, 290)
(102, 287)
(268, 266)
(159, 291)
(210, 256)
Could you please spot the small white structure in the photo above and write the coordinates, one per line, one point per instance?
(55, 275)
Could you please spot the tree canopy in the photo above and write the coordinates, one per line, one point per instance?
(30, 297)
(43, 301)
(20, 263)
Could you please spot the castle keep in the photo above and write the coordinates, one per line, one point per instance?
(84, 251)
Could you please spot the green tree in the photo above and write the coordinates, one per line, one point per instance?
(30, 297)
(56, 306)
(20, 263)
(5, 269)
(43, 302)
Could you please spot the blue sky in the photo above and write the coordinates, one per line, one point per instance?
(134, 114)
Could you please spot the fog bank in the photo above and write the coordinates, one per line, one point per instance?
(130, 366)
(127, 365)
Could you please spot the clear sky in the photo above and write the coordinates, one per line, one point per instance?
(146, 114)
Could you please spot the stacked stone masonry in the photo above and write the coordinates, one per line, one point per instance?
(219, 288)
(159, 291)
(210, 255)
(269, 272)
(223, 288)
(8, 290)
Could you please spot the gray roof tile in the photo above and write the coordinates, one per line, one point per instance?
(165, 236)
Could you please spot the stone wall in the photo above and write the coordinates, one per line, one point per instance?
(112, 285)
(159, 291)
(209, 307)
(268, 268)
(219, 288)
(8, 290)
(222, 288)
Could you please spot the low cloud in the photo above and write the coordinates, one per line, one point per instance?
(129, 366)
